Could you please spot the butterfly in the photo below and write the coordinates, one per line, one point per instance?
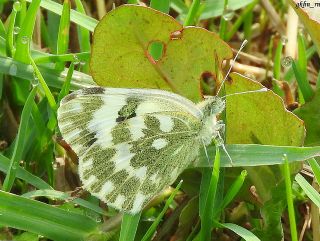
(133, 143)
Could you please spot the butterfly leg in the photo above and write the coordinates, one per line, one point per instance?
(205, 151)
(219, 141)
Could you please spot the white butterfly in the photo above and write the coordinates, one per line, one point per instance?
(132, 143)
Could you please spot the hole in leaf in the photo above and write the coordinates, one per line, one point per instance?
(208, 82)
(156, 50)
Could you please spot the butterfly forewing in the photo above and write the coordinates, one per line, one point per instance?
(131, 143)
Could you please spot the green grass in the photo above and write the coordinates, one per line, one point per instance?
(39, 176)
(292, 218)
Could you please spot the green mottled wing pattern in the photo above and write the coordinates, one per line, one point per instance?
(131, 143)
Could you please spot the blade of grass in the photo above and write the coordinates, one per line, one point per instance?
(66, 86)
(76, 17)
(44, 85)
(315, 168)
(153, 227)
(23, 11)
(51, 58)
(19, 145)
(45, 35)
(36, 217)
(207, 198)
(259, 155)
(3, 52)
(242, 232)
(10, 33)
(39, 123)
(20, 86)
(63, 33)
(2, 30)
(239, 21)
(277, 61)
(190, 19)
(247, 27)
(129, 226)
(223, 22)
(310, 52)
(234, 189)
(302, 57)
(212, 8)
(53, 77)
(303, 83)
(292, 218)
(23, 174)
(277, 68)
(269, 56)
(318, 82)
(53, 194)
(25, 34)
(161, 5)
(308, 189)
(83, 35)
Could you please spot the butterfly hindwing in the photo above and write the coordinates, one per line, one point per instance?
(131, 143)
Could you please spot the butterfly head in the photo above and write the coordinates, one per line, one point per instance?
(211, 107)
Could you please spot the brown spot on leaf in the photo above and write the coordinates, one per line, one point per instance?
(176, 35)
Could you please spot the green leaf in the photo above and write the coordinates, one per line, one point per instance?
(123, 37)
(162, 6)
(188, 217)
(36, 217)
(271, 213)
(261, 117)
(310, 114)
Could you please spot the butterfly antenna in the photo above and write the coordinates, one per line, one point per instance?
(205, 151)
(225, 149)
(232, 64)
(246, 92)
